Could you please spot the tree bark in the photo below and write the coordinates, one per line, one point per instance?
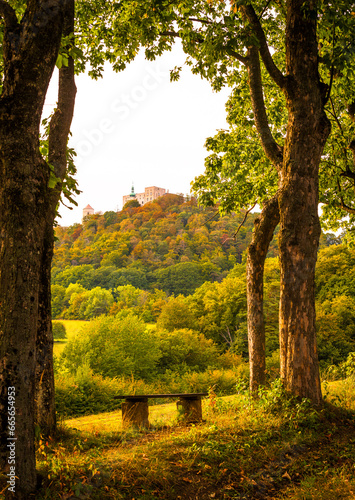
(58, 138)
(30, 51)
(45, 415)
(264, 228)
(307, 132)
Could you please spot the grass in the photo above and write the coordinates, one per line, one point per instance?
(276, 448)
(72, 327)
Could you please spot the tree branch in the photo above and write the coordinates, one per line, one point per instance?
(245, 218)
(229, 51)
(342, 205)
(8, 14)
(272, 150)
(61, 120)
(249, 12)
(240, 58)
(347, 209)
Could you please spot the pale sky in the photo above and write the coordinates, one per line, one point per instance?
(137, 126)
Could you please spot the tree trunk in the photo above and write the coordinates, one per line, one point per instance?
(30, 50)
(307, 131)
(264, 228)
(57, 145)
(22, 216)
(45, 416)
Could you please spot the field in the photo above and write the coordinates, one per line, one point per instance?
(275, 448)
(72, 326)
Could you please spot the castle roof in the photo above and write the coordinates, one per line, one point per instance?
(88, 206)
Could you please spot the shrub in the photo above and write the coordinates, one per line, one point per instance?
(114, 346)
(222, 381)
(87, 393)
(84, 394)
(183, 350)
(59, 331)
(342, 371)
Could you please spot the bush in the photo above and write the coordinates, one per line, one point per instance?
(342, 371)
(185, 350)
(84, 394)
(59, 331)
(114, 346)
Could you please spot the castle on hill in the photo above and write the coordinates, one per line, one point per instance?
(150, 193)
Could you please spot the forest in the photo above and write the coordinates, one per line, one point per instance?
(175, 270)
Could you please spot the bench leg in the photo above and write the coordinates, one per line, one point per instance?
(135, 414)
(191, 408)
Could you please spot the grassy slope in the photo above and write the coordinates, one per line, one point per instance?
(271, 450)
(72, 326)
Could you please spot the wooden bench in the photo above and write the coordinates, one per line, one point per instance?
(135, 407)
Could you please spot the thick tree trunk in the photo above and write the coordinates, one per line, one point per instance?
(22, 216)
(264, 228)
(30, 50)
(307, 132)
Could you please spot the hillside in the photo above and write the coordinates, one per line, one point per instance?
(152, 246)
(178, 265)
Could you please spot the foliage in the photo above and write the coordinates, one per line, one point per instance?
(176, 314)
(84, 393)
(113, 346)
(335, 272)
(131, 204)
(167, 244)
(69, 184)
(218, 309)
(85, 304)
(59, 330)
(237, 172)
(184, 350)
(335, 329)
(122, 345)
(344, 370)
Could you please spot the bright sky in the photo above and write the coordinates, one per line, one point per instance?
(137, 126)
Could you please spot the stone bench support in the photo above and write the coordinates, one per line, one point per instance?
(191, 409)
(135, 413)
(135, 408)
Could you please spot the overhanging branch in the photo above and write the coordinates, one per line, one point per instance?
(249, 12)
(272, 150)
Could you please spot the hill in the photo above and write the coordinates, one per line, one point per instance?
(150, 246)
(143, 258)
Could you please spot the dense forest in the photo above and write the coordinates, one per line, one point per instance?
(182, 267)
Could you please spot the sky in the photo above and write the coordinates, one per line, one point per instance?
(138, 127)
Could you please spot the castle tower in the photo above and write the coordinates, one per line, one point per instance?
(132, 195)
(88, 210)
